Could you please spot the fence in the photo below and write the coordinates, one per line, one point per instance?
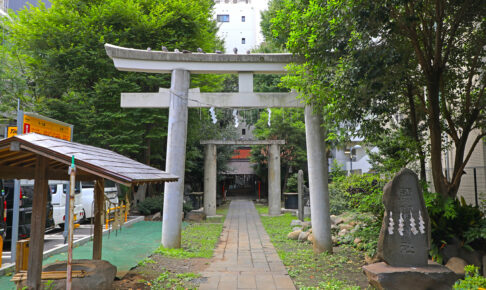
(473, 184)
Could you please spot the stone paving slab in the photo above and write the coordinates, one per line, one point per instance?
(245, 258)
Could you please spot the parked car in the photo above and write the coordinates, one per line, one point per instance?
(25, 209)
(58, 196)
(87, 197)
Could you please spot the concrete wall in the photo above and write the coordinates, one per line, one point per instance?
(234, 30)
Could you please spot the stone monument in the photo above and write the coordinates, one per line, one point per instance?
(404, 241)
(405, 233)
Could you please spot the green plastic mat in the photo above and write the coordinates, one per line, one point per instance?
(123, 249)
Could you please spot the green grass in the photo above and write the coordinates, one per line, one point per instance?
(198, 239)
(307, 269)
(169, 280)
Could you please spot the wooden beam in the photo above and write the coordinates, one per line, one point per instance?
(38, 224)
(19, 172)
(99, 201)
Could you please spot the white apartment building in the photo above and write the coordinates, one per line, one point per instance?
(239, 23)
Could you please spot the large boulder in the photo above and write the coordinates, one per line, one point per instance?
(303, 236)
(100, 275)
(294, 235)
(456, 265)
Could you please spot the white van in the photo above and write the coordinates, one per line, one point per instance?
(87, 197)
(58, 194)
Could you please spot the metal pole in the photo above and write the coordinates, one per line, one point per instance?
(65, 233)
(72, 180)
(475, 187)
(16, 199)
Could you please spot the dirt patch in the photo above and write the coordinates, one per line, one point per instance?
(146, 273)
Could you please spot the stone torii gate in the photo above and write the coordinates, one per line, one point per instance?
(179, 98)
(210, 172)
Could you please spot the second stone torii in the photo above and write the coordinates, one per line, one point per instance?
(210, 172)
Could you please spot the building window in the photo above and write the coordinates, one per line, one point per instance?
(222, 18)
(243, 40)
(243, 131)
(243, 19)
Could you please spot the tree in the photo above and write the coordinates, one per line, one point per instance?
(76, 82)
(366, 61)
(285, 124)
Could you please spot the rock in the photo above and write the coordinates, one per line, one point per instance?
(346, 226)
(357, 241)
(338, 220)
(306, 225)
(303, 236)
(310, 230)
(195, 216)
(334, 227)
(471, 257)
(310, 238)
(450, 250)
(334, 239)
(296, 229)
(432, 276)
(294, 235)
(100, 274)
(157, 217)
(342, 232)
(295, 223)
(456, 265)
(333, 219)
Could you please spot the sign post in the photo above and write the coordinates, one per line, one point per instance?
(28, 122)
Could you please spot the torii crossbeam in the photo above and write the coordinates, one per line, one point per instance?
(179, 98)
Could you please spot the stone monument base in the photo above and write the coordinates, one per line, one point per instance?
(434, 276)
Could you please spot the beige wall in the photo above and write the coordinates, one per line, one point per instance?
(478, 161)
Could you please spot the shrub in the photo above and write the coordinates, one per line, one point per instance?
(151, 205)
(362, 192)
(337, 200)
(472, 280)
(293, 183)
(452, 219)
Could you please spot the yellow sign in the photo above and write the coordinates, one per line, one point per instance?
(41, 126)
(11, 131)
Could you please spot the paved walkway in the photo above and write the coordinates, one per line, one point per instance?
(245, 258)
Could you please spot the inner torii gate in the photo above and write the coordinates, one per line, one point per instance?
(179, 97)
(210, 166)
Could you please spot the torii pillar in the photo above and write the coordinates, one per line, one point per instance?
(210, 173)
(180, 64)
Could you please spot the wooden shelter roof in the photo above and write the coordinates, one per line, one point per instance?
(18, 156)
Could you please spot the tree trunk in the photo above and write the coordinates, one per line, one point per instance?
(413, 118)
(440, 182)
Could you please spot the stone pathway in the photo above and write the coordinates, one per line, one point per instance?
(245, 258)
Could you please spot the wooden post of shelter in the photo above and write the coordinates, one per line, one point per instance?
(99, 200)
(38, 223)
